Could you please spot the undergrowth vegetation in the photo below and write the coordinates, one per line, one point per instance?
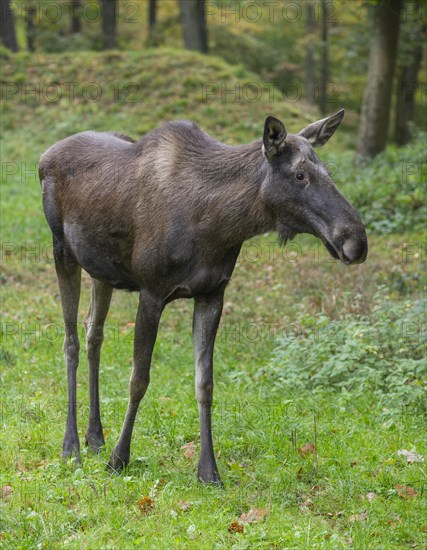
(390, 192)
(382, 353)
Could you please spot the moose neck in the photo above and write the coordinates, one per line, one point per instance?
(237, 174)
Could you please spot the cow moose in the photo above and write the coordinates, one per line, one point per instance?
(166, 216)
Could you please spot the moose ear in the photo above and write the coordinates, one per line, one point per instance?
(319, 132)
(274, 137)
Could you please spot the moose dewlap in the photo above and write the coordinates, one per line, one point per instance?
(166, 216)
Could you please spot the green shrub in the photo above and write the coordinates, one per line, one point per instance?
(390, 192)
(50, 41)
(383, 353)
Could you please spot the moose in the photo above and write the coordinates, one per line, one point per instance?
(166, 216)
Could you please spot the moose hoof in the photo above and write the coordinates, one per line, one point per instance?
(212, 478)
(95, 442)
(117, 463)
(71, 450)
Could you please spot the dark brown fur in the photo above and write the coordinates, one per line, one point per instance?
(166, 216)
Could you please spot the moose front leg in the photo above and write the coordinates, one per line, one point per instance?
(207, 314)
(147, 322)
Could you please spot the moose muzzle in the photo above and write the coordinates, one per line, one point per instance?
(348, 244)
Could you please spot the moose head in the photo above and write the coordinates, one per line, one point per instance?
(299, 189)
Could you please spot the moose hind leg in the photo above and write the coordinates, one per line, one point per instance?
(146, 326)
(94, 327)
(69, 276)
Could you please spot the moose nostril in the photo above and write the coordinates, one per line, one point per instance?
(347, 249)
(354, 250)
(345, 259)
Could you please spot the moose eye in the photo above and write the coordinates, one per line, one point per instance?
(300, 176)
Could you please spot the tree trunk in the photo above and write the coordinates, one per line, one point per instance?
(323, 96)
(152, 19)
(194, 25)
(309, 73)
(7, 26)
(75, 17)
(375, 113)
(30, 12)
(109, 24)
(409, 58)
(406, 88)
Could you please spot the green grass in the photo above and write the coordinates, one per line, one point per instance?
(346, 495)
(311, 500)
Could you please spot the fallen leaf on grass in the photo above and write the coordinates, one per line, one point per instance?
(190, 449)
(333, 514)
(184, 505)
(307, 502)
(406, 492)
(235, 527)
(255, 515)
(145, 504)
(6, 492)
(370, 496)
(411, 456)
(359, 517)
(307, 499)
(308, 448)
